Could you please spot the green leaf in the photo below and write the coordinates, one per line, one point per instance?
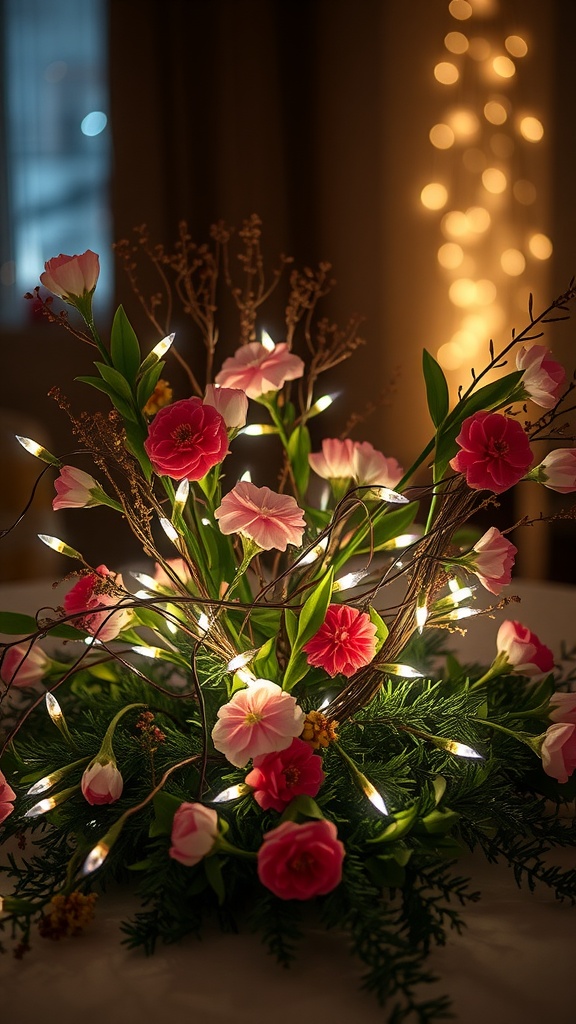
(265, 664)
(314, 610)
(125, 410)
(436, 389)
(302, 806)
(291, 621)
(381, 627)
(403, 822)
(165, 807)
(391, 524)
(147, 384)
(116, 381)
(299, 448)
(14, 623)
(296, 669)
(135, 444)
(213, 870)
(124, 347)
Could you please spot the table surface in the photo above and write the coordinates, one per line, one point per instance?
(512, 964)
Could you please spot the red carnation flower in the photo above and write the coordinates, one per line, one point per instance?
(495, 452)
(186, 439)
(345, 642)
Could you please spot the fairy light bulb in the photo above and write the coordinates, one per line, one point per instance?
(397, 669)
(181, 497)
(315, 553)
(43, 784)
(53, 708)
(38, 450)
(42, 807)
(258, 429)
(246, 477)
(373, 795)
(203, 622)
(387, 494)
(456, 748)
(163, 346)
(95, 858)
(169, 530)
(266, 341)
(349, 580)
(240, 660)
(232, 793)
(421, 613)
(321, 404)
(60, 546)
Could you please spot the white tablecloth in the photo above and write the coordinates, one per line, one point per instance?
(512, 965)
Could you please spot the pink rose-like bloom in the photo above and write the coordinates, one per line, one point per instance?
(231, 403)
(523, 650)
(371, 467)
(74, 489)
(71, 276)
(335, 461)
(23, 665)
(558, 470)
(194, 832)
(7, 795)
(563, 708)
(256, 370)
(495, 452)
(492, 560)
(258, 720)
(543, 378)
(102, 783)
(186, 439)
(559, 751)
(93, 592)
(297, 862)
(271, 520)
(278, 777)
(345, 642)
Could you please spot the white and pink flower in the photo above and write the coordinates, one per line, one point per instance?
(231, 403)
(71, 277)
(557, 471)
(563, 707)
(491, 560)
(256, 370)
(91, 601)
(75, 489)
(355, 460)
(194, 833)
(558, 751)
(258, 720)
(7, 795)
(102, 783)
(520, 649)
(268, 519)
(23, 665)
(543, 378)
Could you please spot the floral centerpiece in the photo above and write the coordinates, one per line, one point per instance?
(268, 713)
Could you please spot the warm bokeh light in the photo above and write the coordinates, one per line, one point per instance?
(474, 160)
(434, 196)
(460, 9)
(540, 246)
(478, 219)
(502, 145)
(464, 123)
(485, 292)
(446, 73)
(456, 42)
(495, 112)
(454, 224)
(463, 292)
(450, 356)
(524, 191)
(467, 341)
(479, 48)
(516, 45)
(512, 262)
(504, 67)
(450, 255)
(441, 136)
(531, 129)
(494, 180)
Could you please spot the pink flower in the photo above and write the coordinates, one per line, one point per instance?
(71, 277)
(100, 589)
(563, 708)
(297, 862)
(75, 489)
(7, 795)
(278, 777)
(256, 370)
(557, 471)
(495, 452)
(543, 377)
(492, 559)
(335, 461)
(523, 650)
(102, 783)
(345, 642)
(258, 720)
(371, 467)
(194, 832)
(271, 520)
(23, 665)
(186, 439)
(344, 460)
(178, 566)
(231, 403)
(559, 751)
